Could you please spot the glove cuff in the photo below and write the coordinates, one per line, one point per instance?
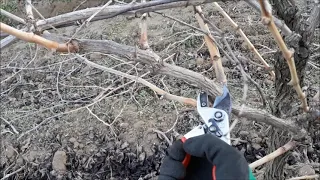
(251, 176)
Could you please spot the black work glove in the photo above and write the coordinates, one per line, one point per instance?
(211, 159)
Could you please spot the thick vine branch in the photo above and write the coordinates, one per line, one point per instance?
(152, 59)
(115, 10)
(288, 55)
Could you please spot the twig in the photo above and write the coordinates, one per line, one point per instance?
(182, 22)
(144, 35)
(245, 76)
(175, 107)
(12, 16)
(86, 22)
(245, 38)
(57, 82)
(163, 135)
(79, 5)
(273, 155)
(12, 127)
(234, 123)
(213, 49)
(13, 173)
(21, 69)
(183, 100)
(288, 55)
(107, 124)
(315, 176)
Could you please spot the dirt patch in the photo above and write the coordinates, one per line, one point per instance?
(68, 131)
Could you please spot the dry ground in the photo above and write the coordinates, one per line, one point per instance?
(44, 94)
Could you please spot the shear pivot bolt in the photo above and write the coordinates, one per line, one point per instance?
(218, 116)
(204, 104)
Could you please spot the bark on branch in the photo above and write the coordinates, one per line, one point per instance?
(152, 59)
(111, 11)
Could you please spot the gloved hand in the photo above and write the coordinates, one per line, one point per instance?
(211, 159)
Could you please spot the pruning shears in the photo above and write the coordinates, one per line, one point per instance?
(216, 118)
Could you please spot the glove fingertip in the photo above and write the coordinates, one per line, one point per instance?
(176, 151)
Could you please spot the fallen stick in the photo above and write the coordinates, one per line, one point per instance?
(315, 176)
(12, 16)
(288, 55)
(273, 155)
(13, 173)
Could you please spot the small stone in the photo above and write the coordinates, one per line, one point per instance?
(76, 145)
(254, 135)
(139, 149)
(243, 133)
(20, 161)
(235, 142)
(72, 140)
(81, 146)
(259, 69)
(306, 170)
(124, 125)
(310, 149)
(91, 135)
(9, 152)
(120, 157)
(59, 162)
(256, 146)
(199, 61)
(257, 140)
(268, 82)
(124, 145)
(142, 156)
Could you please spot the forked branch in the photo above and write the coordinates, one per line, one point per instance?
(287, 54)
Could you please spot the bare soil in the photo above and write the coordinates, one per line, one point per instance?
(44, 96)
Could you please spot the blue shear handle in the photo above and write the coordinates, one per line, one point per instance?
(223, 102)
